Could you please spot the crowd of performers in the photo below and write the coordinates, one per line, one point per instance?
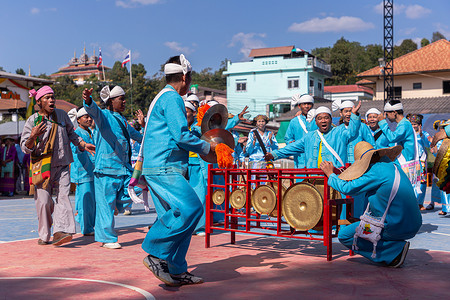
(98, 156)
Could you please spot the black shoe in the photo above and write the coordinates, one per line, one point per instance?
(187, 278)
(160, 269)
(430, 206)
(400, 259)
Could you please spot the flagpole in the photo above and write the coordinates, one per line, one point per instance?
(131, 85)
(103, 67)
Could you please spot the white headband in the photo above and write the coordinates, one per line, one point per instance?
(189, 105)
(106, 94)
(297, 99)
(372, 111)
(389, 107)
(311, 114)
(212, 103)
(184, 67)
(73, 116)
(338, 104)
(81, 112)
(322, 110)
(193, 97)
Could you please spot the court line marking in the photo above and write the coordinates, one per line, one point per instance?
(440, 233)
(7, 219)
(144, 293)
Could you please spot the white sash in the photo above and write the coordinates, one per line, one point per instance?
(329, 148)
(302, 124)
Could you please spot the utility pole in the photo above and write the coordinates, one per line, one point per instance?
(388, 56)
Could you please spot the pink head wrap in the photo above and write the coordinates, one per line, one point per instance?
(41, 92)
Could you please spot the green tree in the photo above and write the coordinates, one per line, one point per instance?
(20, 71)
(424, 42)
(437, 36)
(405, 47)
(341, 62)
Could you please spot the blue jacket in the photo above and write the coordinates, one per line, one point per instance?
(295, 132)
(381, 141)
(364, 135)
(112, 145)
(82, 168)
(403, 219)
(403, 135)
(168, 140)
(255, 152)
(337, 138)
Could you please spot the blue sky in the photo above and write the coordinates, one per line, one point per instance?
(45, 34)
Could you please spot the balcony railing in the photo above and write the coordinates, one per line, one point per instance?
(313, 61)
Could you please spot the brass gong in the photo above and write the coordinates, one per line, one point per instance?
(218, 196)
(238, 198)
(302, 206)
(318, 183)
(264, 199)
(274, 213)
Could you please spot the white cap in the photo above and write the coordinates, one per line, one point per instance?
(189, 105)
(322, 109)
(106, 93)
(372, 111)
(81, 112)
(212, 103)
(73, 116)
(389, 107)
(305, 98)
(193, 97)
(185, 67)
(338, 104)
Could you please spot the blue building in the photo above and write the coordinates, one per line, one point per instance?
(267, 82)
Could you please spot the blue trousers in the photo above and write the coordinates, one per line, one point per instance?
(110, 192)
(197, 181)
(85, 206)
(179, 209)
(359, 205)
(421, 196)
(387, 250)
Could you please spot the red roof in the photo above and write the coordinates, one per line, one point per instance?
(285, 50)
(433, 57)
(334, 89)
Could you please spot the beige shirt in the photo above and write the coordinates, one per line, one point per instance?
(62, 154)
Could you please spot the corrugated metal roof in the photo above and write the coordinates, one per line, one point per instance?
(347, 89)
(34, 80)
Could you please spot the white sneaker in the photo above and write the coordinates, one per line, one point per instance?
(200, 233)
(112, 245)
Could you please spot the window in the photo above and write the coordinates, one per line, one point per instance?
(446, 87)
(319, 86)
(292, 83)
(397, 92)
(417, 85)
(311, 82)
(241, 86)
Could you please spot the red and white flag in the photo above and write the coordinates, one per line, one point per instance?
(127, 59)
(100, 59)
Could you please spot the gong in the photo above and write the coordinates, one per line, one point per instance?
(238, 198)
(264, 199)
(274, 213)
(302, 206)
(215, 117)
(218, 197)
(219, 136)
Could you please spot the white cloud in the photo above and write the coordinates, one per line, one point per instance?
(175, 46)
(35, 11)
(135, 3)
(248, 41)
(331, 24)
(118, 52)
(416, 11)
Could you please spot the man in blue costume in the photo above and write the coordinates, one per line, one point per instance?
(166, 151)
(372, 121)
(113, 169)
(326, 143)
(82, 174)
(404, 136)
(374, 175)
(300, 125)
(345, 111)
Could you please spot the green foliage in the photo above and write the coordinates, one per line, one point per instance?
(424, 42)
(437, 36)
(405, 47)
(20, 71)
